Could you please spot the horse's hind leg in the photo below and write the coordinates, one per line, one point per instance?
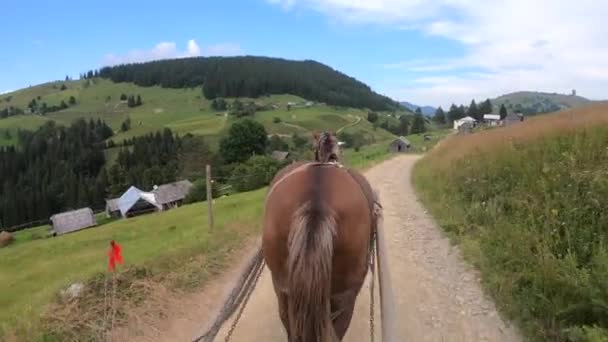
(342, 307)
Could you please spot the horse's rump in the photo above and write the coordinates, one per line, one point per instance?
(318, 219)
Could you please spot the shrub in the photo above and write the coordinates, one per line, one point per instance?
(6, 239)
(255, 173)
(276, 119)
(198, 192)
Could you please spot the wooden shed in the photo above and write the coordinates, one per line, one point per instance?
(172, 195)
(72, 221)
(112, 209)
(399, 145)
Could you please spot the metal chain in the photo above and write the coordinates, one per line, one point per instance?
(249, 291)
(371, 294)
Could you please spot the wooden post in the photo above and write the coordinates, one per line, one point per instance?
(209, 197)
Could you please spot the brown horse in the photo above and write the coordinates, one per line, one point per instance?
(318, 226)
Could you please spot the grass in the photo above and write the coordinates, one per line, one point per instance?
(173, 235)
(527, 205)
(174, 245)
(14, 123)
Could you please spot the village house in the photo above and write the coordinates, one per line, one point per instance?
(513, 118)
(466, 119)
(491, 119)
(399, 145)
(72, 221)
(172, 195)
(135, 201)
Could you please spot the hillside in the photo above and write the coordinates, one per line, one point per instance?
(426, 110)
(530, 102)
(251, 77)
(527, 205)
(181, 110)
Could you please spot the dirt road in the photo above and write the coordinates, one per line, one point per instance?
(438, 297)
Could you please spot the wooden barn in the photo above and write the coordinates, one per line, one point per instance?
(72, 221)
(112, 209)
(172, 195)
(400, 144)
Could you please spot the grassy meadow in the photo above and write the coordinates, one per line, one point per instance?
(527, 205)
(174, 248)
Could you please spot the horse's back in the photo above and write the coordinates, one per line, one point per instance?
(346, 195)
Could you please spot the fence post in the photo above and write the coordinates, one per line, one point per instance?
(209, 197)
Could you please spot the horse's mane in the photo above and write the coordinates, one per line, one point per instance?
(326, 143)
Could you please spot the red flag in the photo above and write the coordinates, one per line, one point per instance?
(114, 255)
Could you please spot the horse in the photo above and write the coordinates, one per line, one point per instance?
(318, 231)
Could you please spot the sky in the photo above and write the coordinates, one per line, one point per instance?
(429, 52)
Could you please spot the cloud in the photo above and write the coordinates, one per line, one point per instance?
(167, 50)
(193, 48)
(509, 45)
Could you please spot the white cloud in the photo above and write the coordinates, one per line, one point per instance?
(166, 50)
(193, 48)
(547, 45)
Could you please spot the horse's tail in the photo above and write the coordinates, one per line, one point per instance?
(309, 267)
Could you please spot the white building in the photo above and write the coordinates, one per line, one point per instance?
(459, 122)
(491, 119)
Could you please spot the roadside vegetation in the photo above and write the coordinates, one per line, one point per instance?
(527, 205)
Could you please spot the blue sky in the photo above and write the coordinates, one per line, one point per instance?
(427, 52)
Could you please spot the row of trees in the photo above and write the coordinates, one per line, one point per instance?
(251, 77)
(55, 168)
(132, 101)
(473, 110)
(408, 124)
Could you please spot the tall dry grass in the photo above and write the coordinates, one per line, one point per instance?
(527, 204)
(492, 140)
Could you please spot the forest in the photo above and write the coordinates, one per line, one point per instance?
(250, 77)
(54, 168)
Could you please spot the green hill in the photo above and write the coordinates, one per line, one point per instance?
(251, 76)
(531, 102)
(182, 110)
(527, 205)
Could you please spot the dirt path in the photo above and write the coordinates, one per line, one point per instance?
(438, 297)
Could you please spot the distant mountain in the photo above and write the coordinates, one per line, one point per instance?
(426, 110)
(532, 102)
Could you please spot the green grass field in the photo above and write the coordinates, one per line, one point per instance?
(527, 206)
(174, 236)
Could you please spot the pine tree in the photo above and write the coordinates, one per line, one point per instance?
(138, 102)
(404, 124)
(131, 101)
(418, 126)
(503, 111)
(72, 100)
(473, 111)
(485, 107)
(439, 117)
